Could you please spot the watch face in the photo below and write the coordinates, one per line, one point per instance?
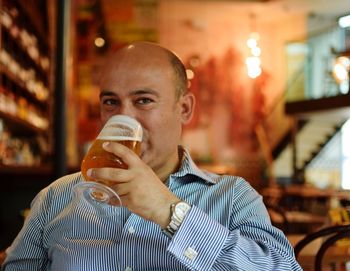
(181, 209)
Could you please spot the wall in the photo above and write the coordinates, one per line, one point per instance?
(213, 33)
(208, 30)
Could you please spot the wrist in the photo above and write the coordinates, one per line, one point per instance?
(163, 216)
(179, 211)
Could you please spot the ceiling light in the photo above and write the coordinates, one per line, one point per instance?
(99, 42)
(341, 69)
(344, 21)
(190, 74)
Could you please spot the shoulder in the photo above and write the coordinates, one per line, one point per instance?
(237, 188)
(229, 181)
(65, 183)
(58, 194)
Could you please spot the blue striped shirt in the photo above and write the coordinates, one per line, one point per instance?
(228, 228)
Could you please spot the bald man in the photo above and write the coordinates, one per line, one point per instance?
(174, 215)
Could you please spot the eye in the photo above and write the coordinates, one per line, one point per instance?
(144, 101)
(109, 103)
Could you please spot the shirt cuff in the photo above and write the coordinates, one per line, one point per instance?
(198, 241)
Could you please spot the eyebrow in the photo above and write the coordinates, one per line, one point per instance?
(106, 93)
(132, 93)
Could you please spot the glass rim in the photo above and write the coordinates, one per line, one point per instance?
(121, 127)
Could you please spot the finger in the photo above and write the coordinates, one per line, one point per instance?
(103, 176)
(123, 189)
(127, 155)
(106, 174)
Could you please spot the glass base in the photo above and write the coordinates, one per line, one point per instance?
(98, 193)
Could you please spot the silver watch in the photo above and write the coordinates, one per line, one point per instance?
(178, 212)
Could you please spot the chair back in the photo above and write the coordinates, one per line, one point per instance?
(331, 234)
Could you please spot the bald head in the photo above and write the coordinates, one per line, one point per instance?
(148, 54)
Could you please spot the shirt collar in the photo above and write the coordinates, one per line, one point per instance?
(189, 167)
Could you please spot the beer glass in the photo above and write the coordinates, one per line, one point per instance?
(123, 129)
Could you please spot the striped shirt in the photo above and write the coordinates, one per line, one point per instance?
(227, 228)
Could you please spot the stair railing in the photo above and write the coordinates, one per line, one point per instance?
(261, 133)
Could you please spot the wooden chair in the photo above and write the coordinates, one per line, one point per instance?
(272, 197)
(278, 217)
(330, 235)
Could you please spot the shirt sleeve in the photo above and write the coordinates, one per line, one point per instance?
(248, 242)
(27, 251)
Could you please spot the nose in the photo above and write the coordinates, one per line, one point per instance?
(128, 110)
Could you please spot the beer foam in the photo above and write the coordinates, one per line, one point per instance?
(121, 127)
(123, 119)
(119, 138)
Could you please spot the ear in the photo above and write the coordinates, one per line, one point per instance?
(187, 104)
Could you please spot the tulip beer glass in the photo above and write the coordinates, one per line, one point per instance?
(123, 129)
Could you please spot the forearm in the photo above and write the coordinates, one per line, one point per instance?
(204, 244)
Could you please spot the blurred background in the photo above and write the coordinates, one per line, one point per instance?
(271, 79)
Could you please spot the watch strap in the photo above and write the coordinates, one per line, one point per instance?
(175, 221)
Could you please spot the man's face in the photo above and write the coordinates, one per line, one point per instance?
(143, 87)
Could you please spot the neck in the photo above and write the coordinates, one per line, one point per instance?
(173, 164)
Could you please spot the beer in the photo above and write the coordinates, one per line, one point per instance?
(119, 128)
(97, 157)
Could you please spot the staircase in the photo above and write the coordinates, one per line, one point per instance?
(310, 139)
(320, 115)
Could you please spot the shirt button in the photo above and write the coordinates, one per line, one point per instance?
(128, 268)
(190, 253)
(131, 230)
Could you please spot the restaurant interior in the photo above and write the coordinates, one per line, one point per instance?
(271, 80)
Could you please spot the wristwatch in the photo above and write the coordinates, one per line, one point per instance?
(178, 212)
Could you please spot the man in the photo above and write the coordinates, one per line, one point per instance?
(174, 216)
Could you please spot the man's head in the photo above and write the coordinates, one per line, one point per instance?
(180, 77)
(148, 82)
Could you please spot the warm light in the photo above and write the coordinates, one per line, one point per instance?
(190, 74)
(251, 43)
(256, 51)
(253, 61)
(254, 72)
(341, 69)
(99, 42)
(340, 72)
(344, 21)
(345, 61)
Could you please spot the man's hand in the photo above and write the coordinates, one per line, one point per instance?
(139, 188)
